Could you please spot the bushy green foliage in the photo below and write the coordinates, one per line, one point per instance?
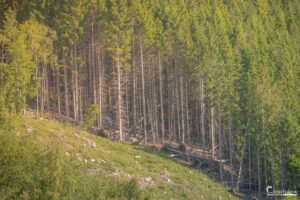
(102, 188)
(293, 167)
(294, 163)
(17, 66)
(30, 171)
(128, 190)
(91, 115)
(23, 46)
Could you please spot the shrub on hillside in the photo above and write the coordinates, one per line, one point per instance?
(29, 171)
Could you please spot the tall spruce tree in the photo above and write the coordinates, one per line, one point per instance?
(119, 30)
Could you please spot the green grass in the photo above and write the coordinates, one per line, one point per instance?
(121, 162)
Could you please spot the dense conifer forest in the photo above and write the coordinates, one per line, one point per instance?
(218, 76)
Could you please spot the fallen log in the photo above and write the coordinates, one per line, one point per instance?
(237, 194)
(176, 151)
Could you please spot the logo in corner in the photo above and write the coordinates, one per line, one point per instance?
(271, 192)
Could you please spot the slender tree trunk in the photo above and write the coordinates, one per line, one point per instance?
(198, 121)
(90, 79)
(66, 88)
(155, 111)
(242, 158)
(202, 114)
(230, 148)
(119, 94)
(265, 166)
(37, 96)
(182, 109)
(58, 91)
(133, 89)
(213, 133)
(76, 94)
(73, 72)
(93, 61)
(169, 105)
(249, 166)
(100, 87)
(46, 77)
(154, 103)
(187, 113)
(151, 120)
(127, 96)
(43, 91)
(143, 90)
(80, 104)
(176, 96)
(220, 137)
(76, 83)
(258, 169)
(258, 152)
(161, 98)
(264, 149)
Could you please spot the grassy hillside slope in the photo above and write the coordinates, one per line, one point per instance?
(107, 164)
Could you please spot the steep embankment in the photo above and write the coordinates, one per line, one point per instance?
(99, 160)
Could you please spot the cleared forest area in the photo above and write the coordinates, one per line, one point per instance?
(220, 79)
